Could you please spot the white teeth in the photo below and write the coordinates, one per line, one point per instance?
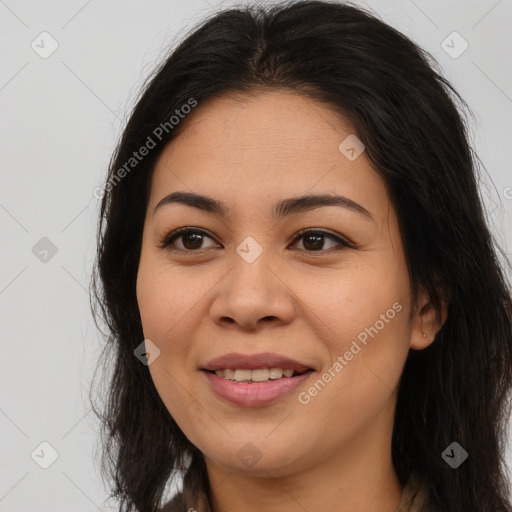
(259, 375)
(276, 373)
(229, 374)
(241, 375)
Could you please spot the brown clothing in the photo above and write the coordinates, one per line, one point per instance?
(414, 498)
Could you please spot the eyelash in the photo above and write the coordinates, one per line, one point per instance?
(171, 237)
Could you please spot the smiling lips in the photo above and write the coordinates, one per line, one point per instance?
(254, 380)
(236, 361)
(259, 375)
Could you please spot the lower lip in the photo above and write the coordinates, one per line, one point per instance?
(255, 394)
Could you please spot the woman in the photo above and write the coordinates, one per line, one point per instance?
(305, 306)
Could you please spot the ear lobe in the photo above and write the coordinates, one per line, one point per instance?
(426, 325)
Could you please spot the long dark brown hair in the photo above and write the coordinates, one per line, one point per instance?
(413, 124)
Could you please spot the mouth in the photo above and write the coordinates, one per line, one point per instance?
(253, 380)
(257, 375)
(258, 363)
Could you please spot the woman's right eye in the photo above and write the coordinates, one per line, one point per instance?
(191, 239)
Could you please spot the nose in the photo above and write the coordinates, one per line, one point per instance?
(251, 296)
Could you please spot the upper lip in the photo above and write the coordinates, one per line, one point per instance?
(235, 361)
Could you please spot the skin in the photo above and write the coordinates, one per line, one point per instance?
(333, 453)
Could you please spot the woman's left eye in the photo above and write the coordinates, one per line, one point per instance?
(314, 239)
(191, 239)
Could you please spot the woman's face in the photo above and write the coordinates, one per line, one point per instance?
(336, 300)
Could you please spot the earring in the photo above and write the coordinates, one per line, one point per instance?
(424, 335)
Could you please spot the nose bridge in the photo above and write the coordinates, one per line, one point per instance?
(252, 291)
(252, 279)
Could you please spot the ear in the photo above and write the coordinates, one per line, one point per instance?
(426, 324)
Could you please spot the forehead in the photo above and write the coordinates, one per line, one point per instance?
(278, 121)
(262, 148)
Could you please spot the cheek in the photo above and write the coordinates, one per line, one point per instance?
(170, 310)
(164, 299)
(163, 310)
(362, 321)
(348, 303)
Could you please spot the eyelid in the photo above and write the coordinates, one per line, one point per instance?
(169, 238)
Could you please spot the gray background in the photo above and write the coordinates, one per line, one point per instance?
(61, 117)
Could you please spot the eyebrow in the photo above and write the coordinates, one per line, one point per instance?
(281, 209)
